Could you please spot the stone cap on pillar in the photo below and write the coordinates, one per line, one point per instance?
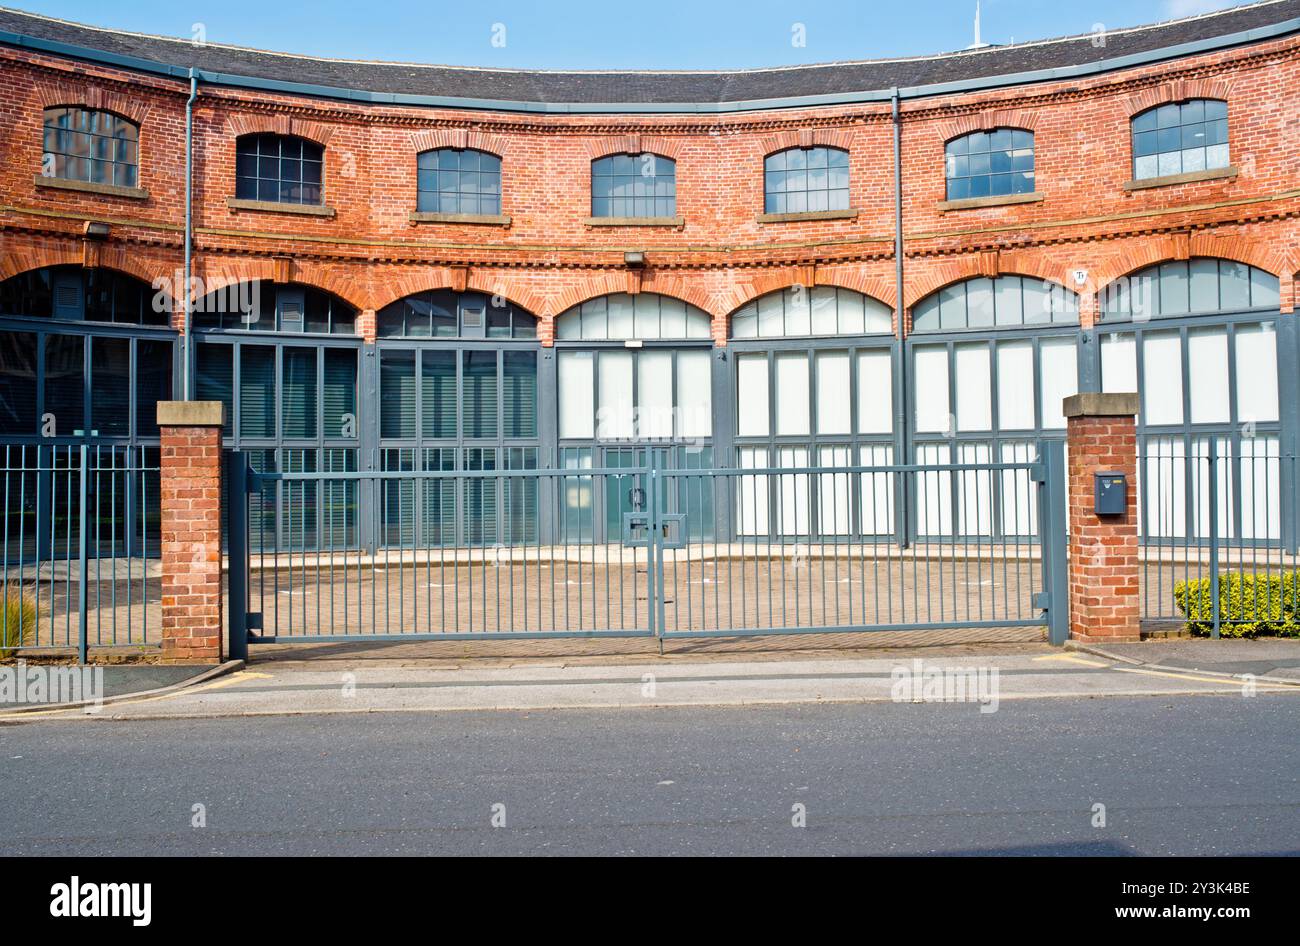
(1097, 404)
(191, 413)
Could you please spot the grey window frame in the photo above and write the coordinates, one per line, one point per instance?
(995, 164)
(800, 199)
(124, 161)
(281, 181)
(611, 167)
(1154, 124)
(432, 200)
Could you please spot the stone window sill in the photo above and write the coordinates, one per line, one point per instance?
(273, 207)
(1001, 200)
(488, 220)
(88, 187)
(809, 215)
(635, 222)
(1215, 174)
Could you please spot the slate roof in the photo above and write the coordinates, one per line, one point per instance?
(648, 87)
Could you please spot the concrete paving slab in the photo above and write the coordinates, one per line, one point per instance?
(1276, 659)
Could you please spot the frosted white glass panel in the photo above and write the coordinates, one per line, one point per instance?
(877, 499)
(1201, 487)
(834, 407)
(698, 323)
(975, 491)
(654, 414)
(1019, 494)
(1162, 378)
(1060, 378)
(792, 408)
(934, 491)
(672, 318)
(834, 508)
(577, 397)
(771, 315)
(792, 513)
(1261, 511)
(1016, 386)
(751, 495)
(614, 415)
(645, 316)
(1166, 496)
(744, 324)
(875, 392)
(824, 311)
(752, 396)
(1207, 366)
(1257, 372)
(932, 412)
(974, 388)
(1119, 367)
(621, 321)
(695, 394)
(798, 311)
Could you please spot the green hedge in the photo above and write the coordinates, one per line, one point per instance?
(1250, 604)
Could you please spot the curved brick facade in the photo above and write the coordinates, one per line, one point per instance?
(548, 257)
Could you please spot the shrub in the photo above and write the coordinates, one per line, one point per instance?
(17, 619)
(1250, 604)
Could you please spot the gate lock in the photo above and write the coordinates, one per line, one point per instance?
(637, 526)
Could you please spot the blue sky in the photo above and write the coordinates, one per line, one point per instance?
(587, 34)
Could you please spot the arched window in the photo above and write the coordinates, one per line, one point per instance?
(1002, 302)
(800, 180)
(83, 144)
(623, 316)
(458, 181)
(1190, 287)
(634, 185)
(80, 294)
(990, 164)
(265, 306)
(280, 169)
(443, 313)
(821, 310)
(1180, 138)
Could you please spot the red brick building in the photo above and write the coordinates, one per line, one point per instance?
(421, 228)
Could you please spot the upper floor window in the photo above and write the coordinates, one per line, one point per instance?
(1180, 138)
(990, 164)
(1003, 302)
(265, 306)
(443, 313)
(806, 179)
(822, 310)
(452, 181)
(86, 145)
(634, 185)
(280, 169)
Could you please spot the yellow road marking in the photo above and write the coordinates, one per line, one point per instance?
(238, 676)
(1071, 658)
(1222, 681)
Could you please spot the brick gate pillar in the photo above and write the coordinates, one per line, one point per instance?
(1101, 437)
(191, 529)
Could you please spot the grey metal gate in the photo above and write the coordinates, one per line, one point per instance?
(645, 551)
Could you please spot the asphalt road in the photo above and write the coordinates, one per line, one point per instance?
(1182, 775)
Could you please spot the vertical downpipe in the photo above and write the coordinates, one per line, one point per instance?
(902, 494)
(187, 348)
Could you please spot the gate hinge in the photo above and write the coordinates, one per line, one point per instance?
(1038, 473)
(1043, 600)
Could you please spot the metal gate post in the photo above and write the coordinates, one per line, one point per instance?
(1054, 528)
(82, 558)
(1214, 535)
(237, 552)
(654, 551)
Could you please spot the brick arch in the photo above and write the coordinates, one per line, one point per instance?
(256, 123)
(1012, 264)
(63, 93)
(218, 275)
(460, 139)
(1182, 246)
(632, 144)
(806, 138)
(1178, 90)
(607, 284)
(1021, 119)
(25, 259)
(443, 277)
(873, 287)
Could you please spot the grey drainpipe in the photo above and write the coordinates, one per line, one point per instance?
(902, 524)
(187, 380)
